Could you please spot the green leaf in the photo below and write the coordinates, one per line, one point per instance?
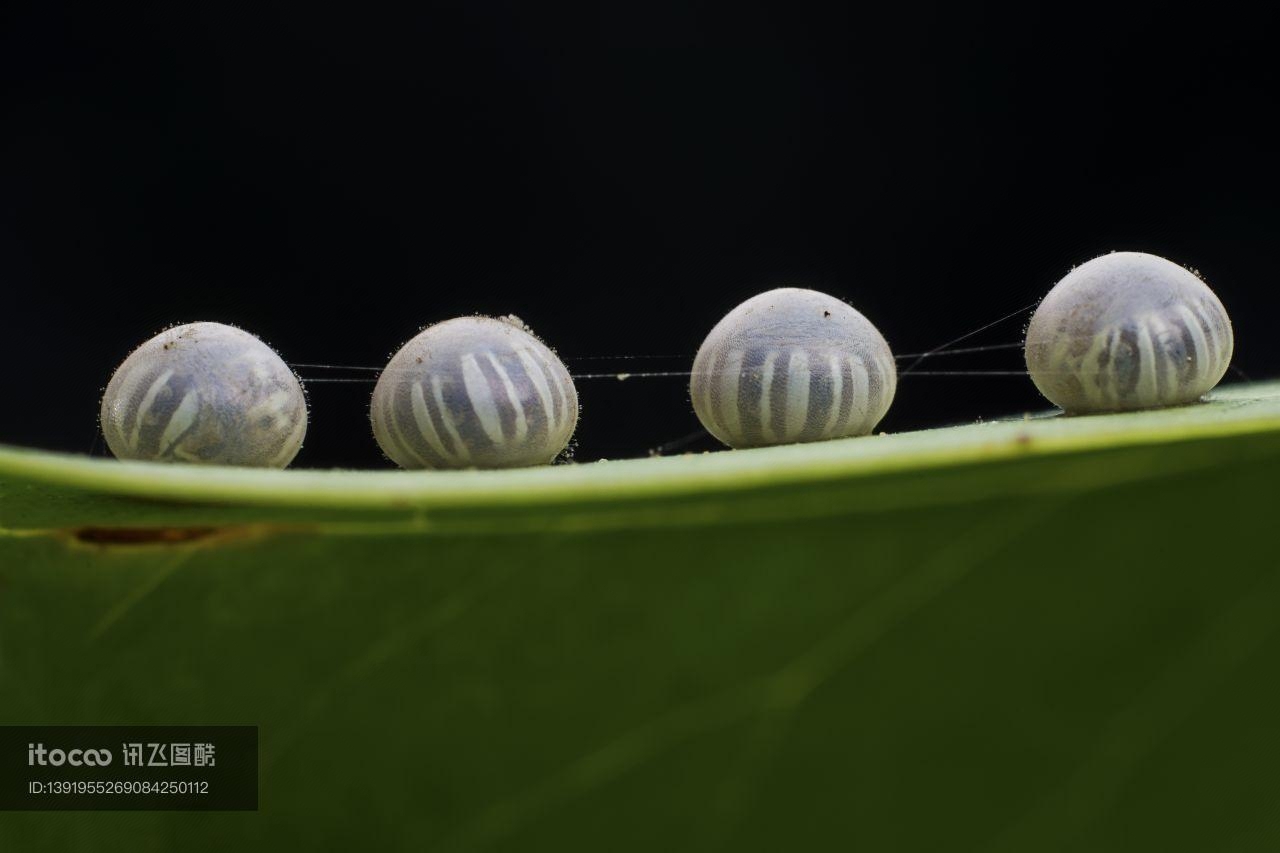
(1040, 634)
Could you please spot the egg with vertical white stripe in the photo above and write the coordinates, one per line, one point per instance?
(205, 393)
(792, 365)
(474, 392)
(1128, 330)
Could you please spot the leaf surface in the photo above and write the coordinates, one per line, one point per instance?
(1041, 634)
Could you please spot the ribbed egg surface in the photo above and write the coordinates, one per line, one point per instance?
(792, 365)
(474, 392)
(205, 393)
(1128, 330)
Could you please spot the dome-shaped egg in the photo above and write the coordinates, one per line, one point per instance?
(792, 365)
(474, 392)
(1128, 330)
(205, 393)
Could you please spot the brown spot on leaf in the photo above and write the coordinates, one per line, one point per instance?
(195, 536)
(106, 536)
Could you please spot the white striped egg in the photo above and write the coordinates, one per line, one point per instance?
(205, 393)
(474, 392)
(1128, 330)
(792, 365)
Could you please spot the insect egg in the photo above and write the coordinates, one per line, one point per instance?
(792, 365)
(205, 393)
(474, 392)
(1128, 330)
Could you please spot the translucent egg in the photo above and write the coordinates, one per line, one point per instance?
(792, 365)
(474, 392)
(205, 393)
(1128, 330)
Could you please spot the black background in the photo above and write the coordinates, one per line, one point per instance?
(332, 180)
